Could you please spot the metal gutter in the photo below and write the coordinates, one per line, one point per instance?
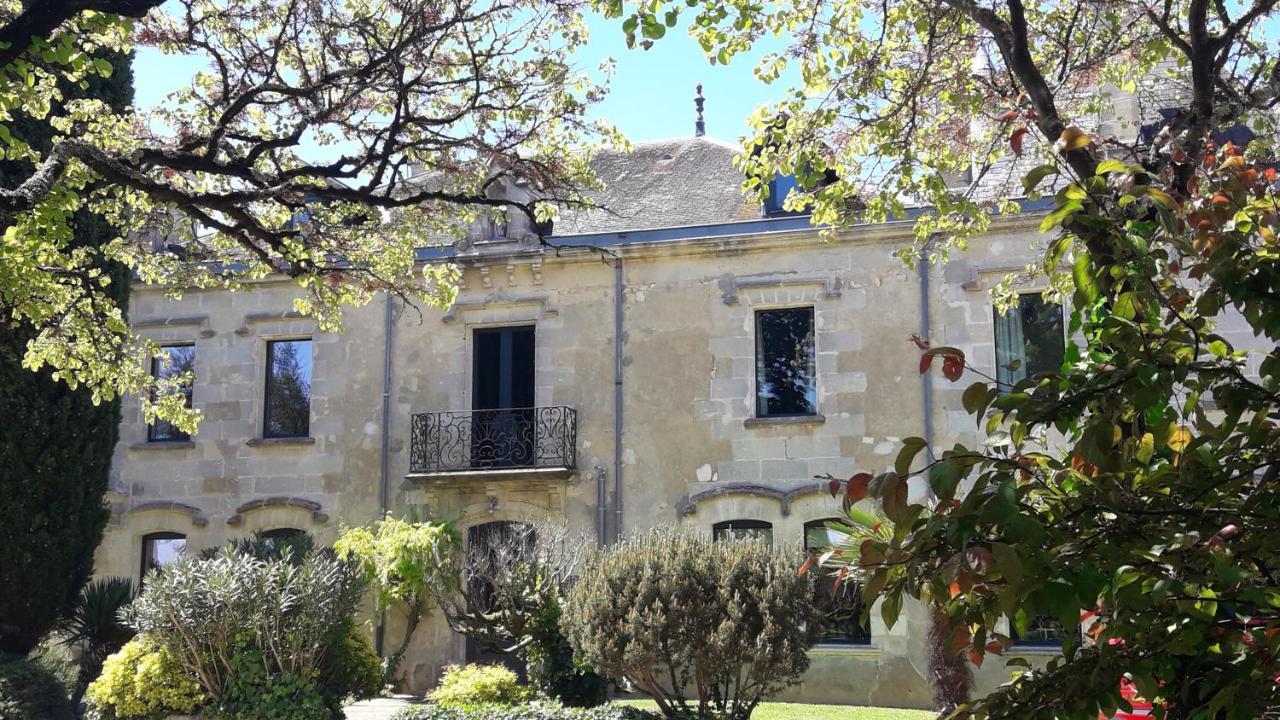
(617, 397)
(383, 449)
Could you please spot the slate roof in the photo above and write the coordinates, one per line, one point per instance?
(664, 183)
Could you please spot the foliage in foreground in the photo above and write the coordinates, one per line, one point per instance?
(674, 613)
(466, 685)
(409, 565)
(143, 680)
(510, 594)
(29, 692)
(95, 629)
(261, 638)
(1141, 480)
(526, 711)
(55, 441)
(218, 187)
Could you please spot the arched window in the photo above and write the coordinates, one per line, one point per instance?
(843, 609)
(160, 549)
(743, 530)
(276, 539)
(492, 549)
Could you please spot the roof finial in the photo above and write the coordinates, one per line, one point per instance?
(699, 127)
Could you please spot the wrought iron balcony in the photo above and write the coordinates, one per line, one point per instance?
(494, 440)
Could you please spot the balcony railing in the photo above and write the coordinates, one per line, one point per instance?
(494, 440)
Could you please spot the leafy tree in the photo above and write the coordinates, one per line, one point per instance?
(1137, 483)
(55, 441)
(409, 565)
(730, 622)
(419, 109)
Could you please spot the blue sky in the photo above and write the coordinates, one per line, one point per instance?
(652, 91)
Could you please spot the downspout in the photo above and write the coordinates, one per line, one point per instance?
(617, 397)
(384, 450)
(926, 383)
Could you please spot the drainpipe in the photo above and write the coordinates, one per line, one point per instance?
(926, 384)
(617, 397)
(384, 450)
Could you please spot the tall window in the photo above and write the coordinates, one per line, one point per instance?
(160, 549)
(842, 608)
(786, 383)
(1029, 339)
(175, 360)
(288, 397)
(742, 530)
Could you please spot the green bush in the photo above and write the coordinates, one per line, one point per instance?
(142, 680)
(479, 684)
(350, 668)
(29, 692)
(673, 613)
(554, 669)
(527, 711)
(264, 638)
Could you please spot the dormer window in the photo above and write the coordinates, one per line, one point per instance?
(779, 187)
(500, 225)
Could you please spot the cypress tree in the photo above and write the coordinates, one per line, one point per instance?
(55, 444)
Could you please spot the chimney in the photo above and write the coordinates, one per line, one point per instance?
(699, 127)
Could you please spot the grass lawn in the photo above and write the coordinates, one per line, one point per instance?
(802, 711)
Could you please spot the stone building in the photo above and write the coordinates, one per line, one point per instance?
(685, 358)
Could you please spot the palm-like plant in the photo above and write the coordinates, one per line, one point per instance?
(94, 627)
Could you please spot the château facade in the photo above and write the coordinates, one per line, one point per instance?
(686, 358)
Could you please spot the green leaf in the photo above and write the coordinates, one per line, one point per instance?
(944, 477)
(910, 448)
(1036, 175)
(1110, 166)
(891, 608)
(1060, 215)
(1009, 563)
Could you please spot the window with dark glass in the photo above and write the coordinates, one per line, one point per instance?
(1029, 339)
(786, 375)
(841, 608)
(779, 188)
(276, 540)
(742, 530)
(160, 549)
(288, 395)
(175, 360)
(1044, 630)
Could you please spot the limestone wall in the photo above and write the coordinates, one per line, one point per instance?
(692, 452)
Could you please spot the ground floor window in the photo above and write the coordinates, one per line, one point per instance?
(1044, 630)
(742, 530)
(160, 549)
(842, 607)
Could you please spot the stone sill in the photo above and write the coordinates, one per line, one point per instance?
(788, 420)
(1033, 651)
(271, 442)
(163, 445)
(843, 650)
(540, 473)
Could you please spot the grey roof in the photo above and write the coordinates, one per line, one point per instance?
(663, 183)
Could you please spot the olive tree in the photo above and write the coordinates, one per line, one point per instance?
(699, 626)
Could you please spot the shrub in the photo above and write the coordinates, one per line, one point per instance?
(95, 629)
(673, 613)
(553, 667)
(261, 637)
(528, 711)
(29, 692)
(350, 667)
(143, 680)
(477, 685)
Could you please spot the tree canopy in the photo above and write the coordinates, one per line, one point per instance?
(323, 141)
(1136, 485)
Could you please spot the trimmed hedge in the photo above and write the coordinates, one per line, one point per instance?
(527, 711)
